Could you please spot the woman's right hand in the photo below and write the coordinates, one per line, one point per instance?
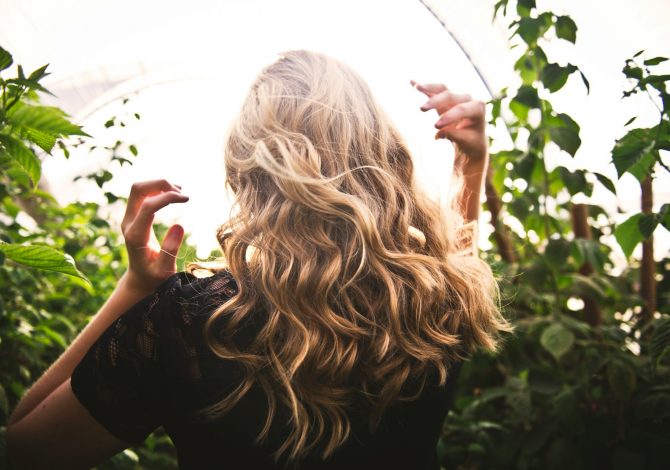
(150, 263)
(462, 120)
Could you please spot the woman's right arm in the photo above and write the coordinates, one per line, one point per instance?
(462, 120)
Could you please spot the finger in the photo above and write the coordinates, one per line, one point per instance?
(429, 89)
(473, 110)
(139, 231)
(139, 191)
(445, 100)
(167, 259)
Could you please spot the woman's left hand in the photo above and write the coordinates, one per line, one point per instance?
(462, 120)
(150, 263)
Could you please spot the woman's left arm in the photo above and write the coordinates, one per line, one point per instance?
(49, 425)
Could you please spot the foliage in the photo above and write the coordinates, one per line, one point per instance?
(41, 311)
(583, 383)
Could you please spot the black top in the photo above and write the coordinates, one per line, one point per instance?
(151, 367)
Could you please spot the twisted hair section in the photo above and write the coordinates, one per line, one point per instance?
(360, 279)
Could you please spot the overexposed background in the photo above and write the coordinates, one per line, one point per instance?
(186, 67)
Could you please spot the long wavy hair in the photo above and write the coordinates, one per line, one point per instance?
(362, 281)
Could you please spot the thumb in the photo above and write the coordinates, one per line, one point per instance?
(167, 259)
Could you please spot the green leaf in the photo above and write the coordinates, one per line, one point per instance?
(564, 132)
(664, 216)
(41, 257)
(655, 60)
(641, 168)
(529, 29)
(31, 84)
(555, 76)
(566, 28)
(523, 7)
(630, 121)
(628, 234)
(631, 148)
(557, 340)
(23, 157)
(133, 150)
(621, 378)
(44, 119)
(39, 74)
(631, 70)
(586, 82)
(527, 95)
(6, 59)
(566, 139)
(556, 252)
(43, 140)
(605, 181)
(660, 341)
(647, 224)
(574, 181)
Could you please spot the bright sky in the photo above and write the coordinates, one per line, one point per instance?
(187, 66)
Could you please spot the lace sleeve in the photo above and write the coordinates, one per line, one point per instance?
(120, 380)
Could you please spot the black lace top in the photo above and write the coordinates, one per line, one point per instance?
(152, 368)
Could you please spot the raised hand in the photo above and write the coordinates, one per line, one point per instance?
(461, 120)
(150, 263)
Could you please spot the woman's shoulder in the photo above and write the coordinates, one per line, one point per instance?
(187, 288)
(184, 300)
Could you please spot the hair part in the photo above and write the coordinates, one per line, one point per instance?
(360, 278)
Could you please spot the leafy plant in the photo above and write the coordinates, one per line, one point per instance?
(584, 382)
(41, 310)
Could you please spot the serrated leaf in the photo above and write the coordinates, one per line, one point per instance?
(43, 140)
(23, 157)
(44, 119)
(6, 59)
(628, 234)
(557, 340)
(605, 181)
(566, 29)
(42, 257)
(630, 149)
(31, 84)
(39, 74)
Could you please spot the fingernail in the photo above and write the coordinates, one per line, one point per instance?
(177, 231)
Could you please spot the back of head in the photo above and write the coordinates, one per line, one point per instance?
(359, 275)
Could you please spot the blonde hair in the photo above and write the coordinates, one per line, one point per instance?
(360, 278)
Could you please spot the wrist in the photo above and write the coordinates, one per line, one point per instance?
(133, 286)
(471, 165)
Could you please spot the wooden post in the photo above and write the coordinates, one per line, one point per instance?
(648, 267)
(580, 227)
(494, 205)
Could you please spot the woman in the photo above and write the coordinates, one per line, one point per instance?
(332, 336)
